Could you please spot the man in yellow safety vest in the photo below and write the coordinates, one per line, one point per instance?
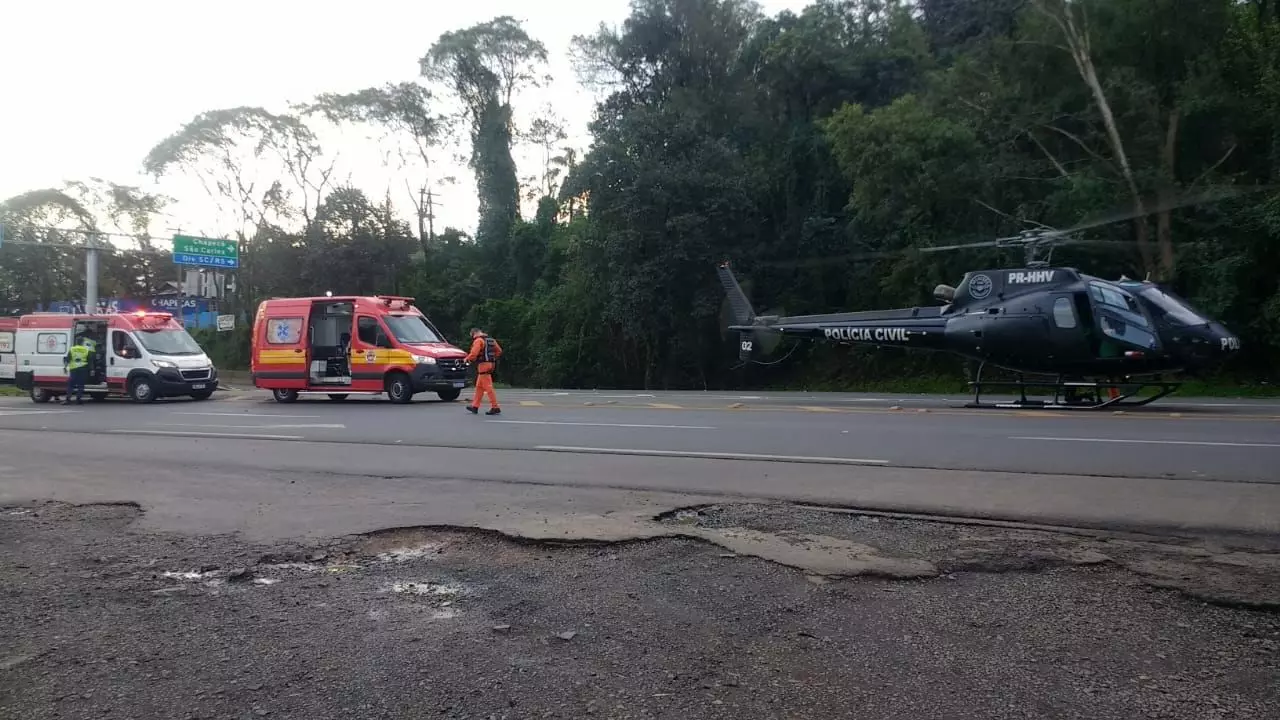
(77, 365)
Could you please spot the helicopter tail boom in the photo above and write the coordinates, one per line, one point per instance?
(744, 316)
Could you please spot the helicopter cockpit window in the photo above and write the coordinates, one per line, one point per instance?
(1175, 309)
(1120, 317)
(1114, 299)
(1118, 329)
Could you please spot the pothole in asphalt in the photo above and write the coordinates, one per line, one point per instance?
(426, 588)
(402, 545)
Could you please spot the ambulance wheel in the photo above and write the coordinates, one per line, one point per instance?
(449, 395)
(142, 390)
(337, 396)
(399, 389)
(40, 395)
(284, 396)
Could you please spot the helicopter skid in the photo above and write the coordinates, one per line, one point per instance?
(1068, 395)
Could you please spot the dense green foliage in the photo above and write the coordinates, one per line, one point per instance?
(794, 146)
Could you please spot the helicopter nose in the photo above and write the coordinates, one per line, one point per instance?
(1226, 343)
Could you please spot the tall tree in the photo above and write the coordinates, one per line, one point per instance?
(224, 148)
(486, 66)
(404, 109)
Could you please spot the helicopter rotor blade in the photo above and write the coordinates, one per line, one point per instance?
(962, 246)
(1151, 207)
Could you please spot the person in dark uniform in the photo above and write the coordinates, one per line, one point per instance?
(76, 362)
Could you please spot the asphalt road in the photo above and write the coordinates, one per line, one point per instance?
(1219, 441)
(1206, 467)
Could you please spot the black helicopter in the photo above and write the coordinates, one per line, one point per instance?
(1089, 334)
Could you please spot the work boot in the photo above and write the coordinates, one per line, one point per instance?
(493, 411)
(473, 410)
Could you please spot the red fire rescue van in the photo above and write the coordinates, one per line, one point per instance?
(347, 345)
(8, 361)
(142, 355)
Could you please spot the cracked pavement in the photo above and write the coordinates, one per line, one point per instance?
(101, 617)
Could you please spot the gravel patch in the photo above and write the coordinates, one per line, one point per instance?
(99, 620)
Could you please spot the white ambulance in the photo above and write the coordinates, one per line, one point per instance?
(141, 355)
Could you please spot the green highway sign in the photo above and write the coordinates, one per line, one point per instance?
(206, 252)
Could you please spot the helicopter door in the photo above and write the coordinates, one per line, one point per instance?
(1120, 322)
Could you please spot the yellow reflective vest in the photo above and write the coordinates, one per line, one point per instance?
(79, 357)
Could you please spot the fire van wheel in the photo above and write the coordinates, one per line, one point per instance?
(284, 396)
(399, 389)
(449, 395)
(142, 390)
(40, 395)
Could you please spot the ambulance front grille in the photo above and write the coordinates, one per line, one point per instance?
(202, 374)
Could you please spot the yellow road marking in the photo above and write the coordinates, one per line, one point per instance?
(530, 403)
(665, 406)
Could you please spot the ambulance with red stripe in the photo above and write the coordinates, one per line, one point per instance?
(8, 361)
(142, 355)
(352, 345)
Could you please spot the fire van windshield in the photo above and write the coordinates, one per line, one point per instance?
(410, 329)
(168, 342)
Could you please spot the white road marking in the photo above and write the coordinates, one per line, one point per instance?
(1243, 405)
(1150, 442)
(242, 436)
(245, 415)
(18, 413)
(332, 426)
(713, 455)
(617, 425)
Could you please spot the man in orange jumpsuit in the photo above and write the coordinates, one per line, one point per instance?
(487, 351)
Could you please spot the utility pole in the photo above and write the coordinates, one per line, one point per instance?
(91, 273)
(422, 214)
(430, 215)
(91, 249)
(428, 209)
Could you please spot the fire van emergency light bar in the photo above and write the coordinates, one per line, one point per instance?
(395, 301)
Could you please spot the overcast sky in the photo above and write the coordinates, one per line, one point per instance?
(91, 86)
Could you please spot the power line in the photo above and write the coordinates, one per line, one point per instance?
(91, 237)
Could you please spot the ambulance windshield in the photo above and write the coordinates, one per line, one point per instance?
(168, 342)
(411, 330)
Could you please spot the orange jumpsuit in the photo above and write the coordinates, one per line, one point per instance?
(484, 372)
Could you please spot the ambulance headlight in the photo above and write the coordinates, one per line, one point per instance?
(164, 364)
(424, 360)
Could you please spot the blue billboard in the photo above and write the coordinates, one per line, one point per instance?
(195, 312)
